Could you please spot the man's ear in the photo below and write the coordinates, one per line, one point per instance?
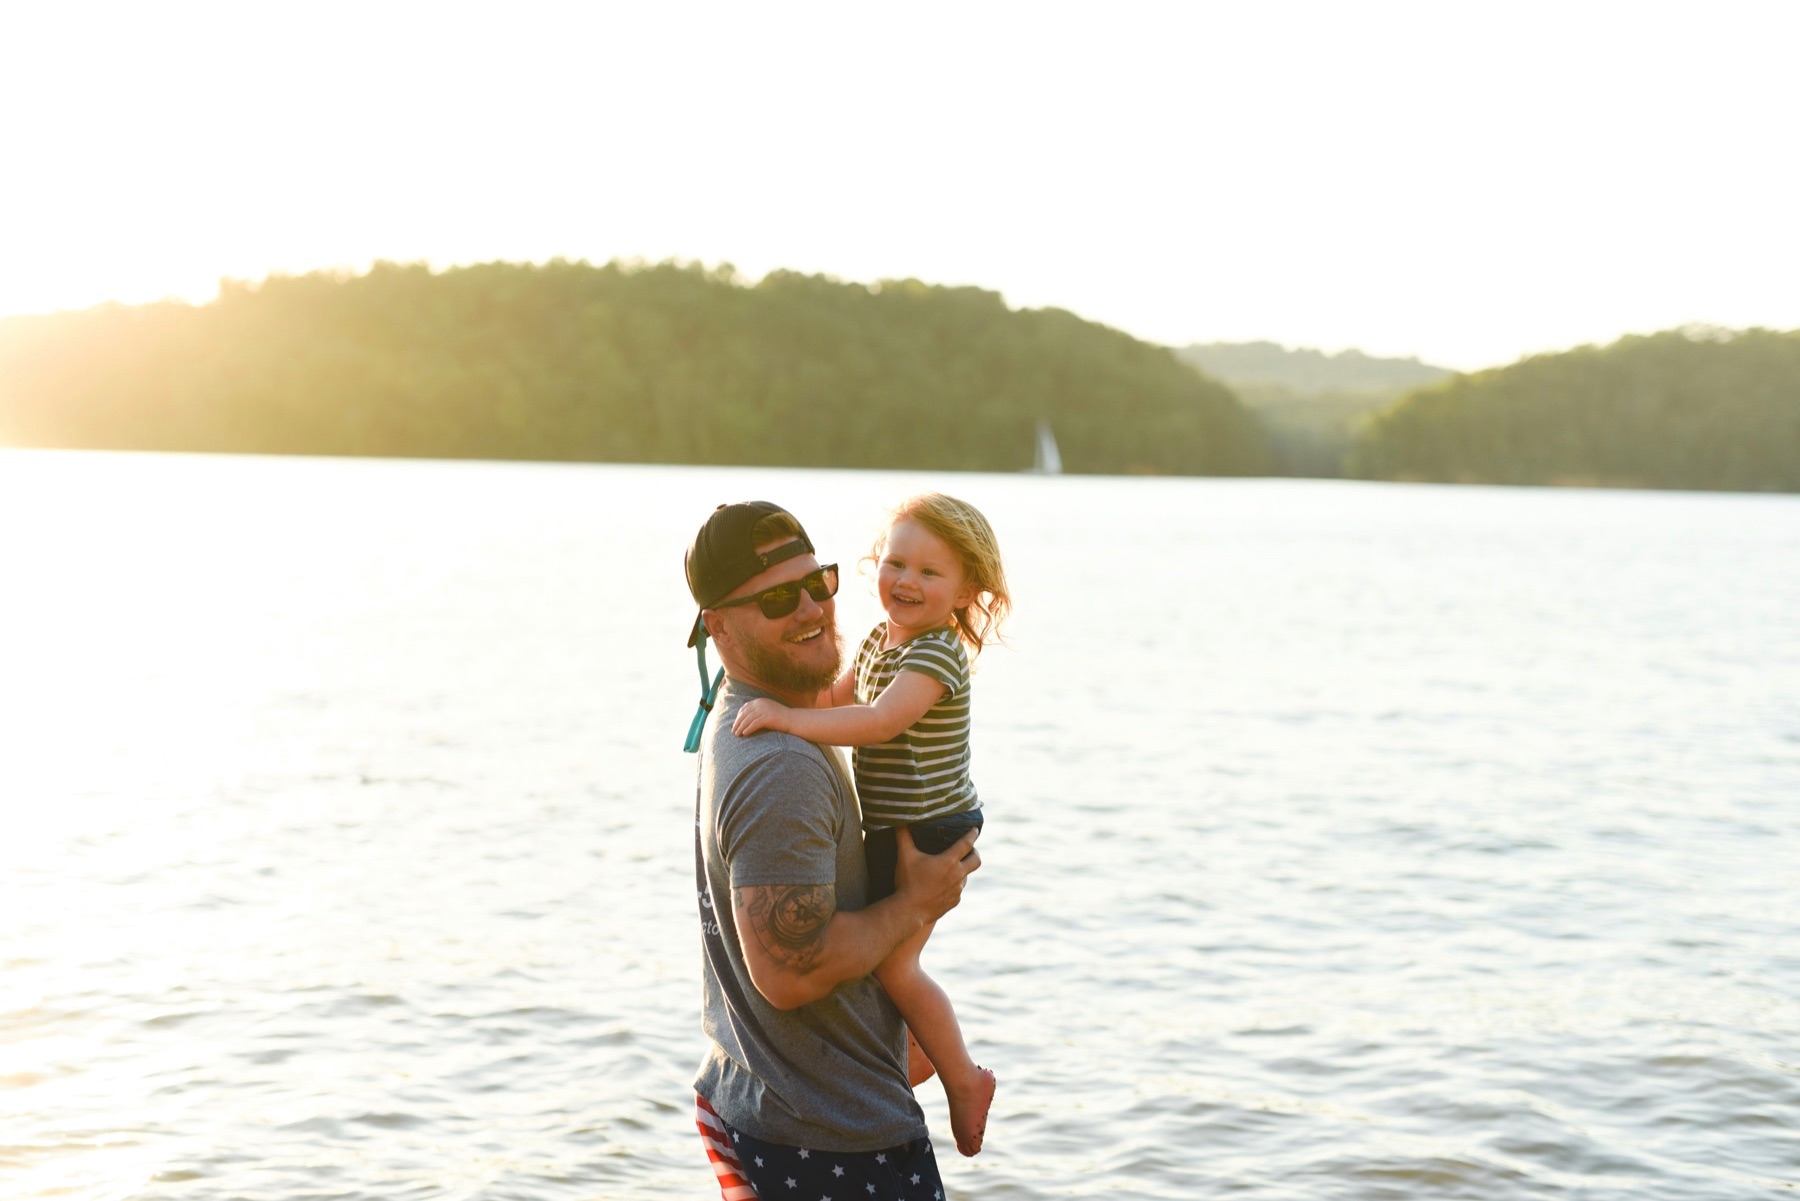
(716, 628)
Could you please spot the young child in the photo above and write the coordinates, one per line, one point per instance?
(903, 703)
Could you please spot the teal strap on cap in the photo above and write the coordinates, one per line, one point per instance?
(708, 694)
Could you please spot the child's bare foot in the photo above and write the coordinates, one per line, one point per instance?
(969, 1109)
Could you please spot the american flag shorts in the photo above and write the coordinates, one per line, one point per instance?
(749, 1169)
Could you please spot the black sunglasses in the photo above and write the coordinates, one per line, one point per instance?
(783, 599)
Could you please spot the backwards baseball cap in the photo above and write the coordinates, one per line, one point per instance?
(722, 556)
(724, 553)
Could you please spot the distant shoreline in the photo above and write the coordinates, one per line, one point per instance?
(672, 364)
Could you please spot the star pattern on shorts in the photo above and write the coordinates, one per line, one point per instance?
(882, 1174)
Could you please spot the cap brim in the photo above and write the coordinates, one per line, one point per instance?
(699, 630)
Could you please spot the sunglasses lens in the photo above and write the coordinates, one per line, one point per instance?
(780, 600)
(823, 583)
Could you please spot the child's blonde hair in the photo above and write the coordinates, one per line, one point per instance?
(962, 528)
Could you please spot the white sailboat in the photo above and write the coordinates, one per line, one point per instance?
(1049, 459)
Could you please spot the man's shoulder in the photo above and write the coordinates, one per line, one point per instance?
(777, 807)
(766, 753)
(765, 750)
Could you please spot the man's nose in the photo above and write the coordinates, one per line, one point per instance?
(809, 608)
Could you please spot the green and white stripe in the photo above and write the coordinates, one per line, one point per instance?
(924, 773)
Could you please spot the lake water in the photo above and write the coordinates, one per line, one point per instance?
(1345, 840)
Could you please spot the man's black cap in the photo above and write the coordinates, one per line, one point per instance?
(723, 554)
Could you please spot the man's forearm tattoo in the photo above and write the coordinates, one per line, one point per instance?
(789, 921)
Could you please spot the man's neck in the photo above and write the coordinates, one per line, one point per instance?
(790, 699)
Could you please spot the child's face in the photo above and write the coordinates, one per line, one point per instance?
(920, 580)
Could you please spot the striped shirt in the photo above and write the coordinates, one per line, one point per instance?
(924, 773)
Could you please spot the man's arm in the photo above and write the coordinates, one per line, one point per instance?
(798, 946)
(900, 705)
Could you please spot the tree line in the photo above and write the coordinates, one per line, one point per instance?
(664, 363)
(673, 363)
(1695, 408)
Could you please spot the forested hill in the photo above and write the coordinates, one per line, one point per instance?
(664, 364)
(1309, 402)
(1304, 370)
(1695, 408)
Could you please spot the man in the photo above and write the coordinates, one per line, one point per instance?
(804, 1085)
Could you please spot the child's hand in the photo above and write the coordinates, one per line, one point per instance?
(759, 714)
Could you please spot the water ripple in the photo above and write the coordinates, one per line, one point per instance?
(1411, 853)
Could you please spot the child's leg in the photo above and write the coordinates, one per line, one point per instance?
(919, 1067)
(932, 1020)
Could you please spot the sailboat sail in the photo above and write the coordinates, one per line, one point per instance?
(1049, 459)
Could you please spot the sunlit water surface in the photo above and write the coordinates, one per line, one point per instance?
(1346, 841)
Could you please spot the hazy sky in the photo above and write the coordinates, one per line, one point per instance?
(1464, 182)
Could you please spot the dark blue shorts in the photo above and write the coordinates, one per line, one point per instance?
(749, 1168)
(882, 852)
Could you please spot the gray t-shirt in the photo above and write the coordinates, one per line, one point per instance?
(831, 1076)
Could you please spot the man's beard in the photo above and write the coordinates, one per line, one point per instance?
(773, 668)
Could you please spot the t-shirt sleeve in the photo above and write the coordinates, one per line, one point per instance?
(942, 660)
(779, 825)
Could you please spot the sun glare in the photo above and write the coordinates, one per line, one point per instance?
(1369, 176)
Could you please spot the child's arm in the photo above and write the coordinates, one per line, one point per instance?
(901, 704)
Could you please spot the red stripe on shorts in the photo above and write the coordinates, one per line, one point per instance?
(733, 1184)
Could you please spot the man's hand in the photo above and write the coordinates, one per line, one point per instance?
(934, 883)
(759, 714)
